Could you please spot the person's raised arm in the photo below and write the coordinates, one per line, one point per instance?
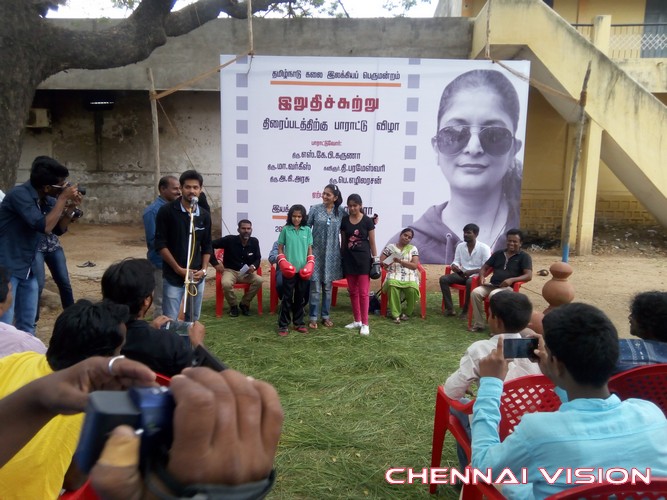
(55, 216)
(483, 272)
(24, 412)
(371, 240)
(226, 432)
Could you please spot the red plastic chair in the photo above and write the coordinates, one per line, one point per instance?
(529, 394)
(460, 288)
(342, 283)
(656, 490)
(86, 492)
(422, 292)
(644, 382)
(220, 296)
(599, 491)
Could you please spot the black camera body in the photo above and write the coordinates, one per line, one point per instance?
(180, 327)
(147, 409)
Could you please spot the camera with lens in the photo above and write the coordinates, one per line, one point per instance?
(149, 410)
(77, 213)
(180, 327)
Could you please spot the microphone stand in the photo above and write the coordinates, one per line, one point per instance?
(188, 274)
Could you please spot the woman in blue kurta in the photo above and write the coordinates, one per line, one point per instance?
(324, 220)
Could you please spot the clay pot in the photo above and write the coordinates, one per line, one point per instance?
(558, 291)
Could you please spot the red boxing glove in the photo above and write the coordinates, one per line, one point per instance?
(285, 267)
(307, 270)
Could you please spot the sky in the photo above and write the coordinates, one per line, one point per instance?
(355, 8)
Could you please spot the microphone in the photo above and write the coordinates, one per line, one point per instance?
(193, 202)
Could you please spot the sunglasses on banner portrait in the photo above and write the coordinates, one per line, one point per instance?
(494, 140)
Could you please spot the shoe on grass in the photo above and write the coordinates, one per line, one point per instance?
(283, 331)
(302, 329)
(353, 325)
(245, 310)
(365, 330)
(234, 311)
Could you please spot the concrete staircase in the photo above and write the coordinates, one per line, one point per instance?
(633, 121)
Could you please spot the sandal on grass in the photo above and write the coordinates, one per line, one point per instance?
(397, 320)
(327, 322)
(404, 317)
(312, 325)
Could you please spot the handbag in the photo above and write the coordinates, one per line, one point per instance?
(376, 272)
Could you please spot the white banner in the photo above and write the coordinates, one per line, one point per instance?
(292, 125)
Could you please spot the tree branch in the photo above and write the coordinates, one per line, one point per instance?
(132, 39)
(194, 15)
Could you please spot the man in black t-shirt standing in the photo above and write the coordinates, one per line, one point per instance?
(508, 266)
(172, 234)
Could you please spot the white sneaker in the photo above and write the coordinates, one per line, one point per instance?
(365, 330)
(354, 324)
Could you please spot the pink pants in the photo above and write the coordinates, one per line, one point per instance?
(358, 285)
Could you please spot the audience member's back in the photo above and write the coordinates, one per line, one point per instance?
(131, 282)
(510, 314)
(83, 330)
(648, 322)
(592, 430)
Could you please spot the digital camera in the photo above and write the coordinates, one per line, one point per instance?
(180, 327)
(149, 410)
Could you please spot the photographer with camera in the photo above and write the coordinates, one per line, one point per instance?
(226, 428)
(166, 350)
(29, 210)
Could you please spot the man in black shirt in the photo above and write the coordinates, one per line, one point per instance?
(131, 282)
(183, 249)
(508, 266)
(240, 262)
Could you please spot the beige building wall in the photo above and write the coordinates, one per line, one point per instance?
(546, 161)
(582, 11)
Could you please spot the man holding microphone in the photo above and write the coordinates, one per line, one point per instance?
(184, 248)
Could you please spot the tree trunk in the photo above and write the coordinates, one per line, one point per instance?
(32, 49)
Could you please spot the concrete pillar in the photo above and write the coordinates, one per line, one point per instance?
(589, 165)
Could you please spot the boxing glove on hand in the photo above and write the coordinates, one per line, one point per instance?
(307, 270)
(285, 267)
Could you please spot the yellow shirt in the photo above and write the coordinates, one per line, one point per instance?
(38, 470)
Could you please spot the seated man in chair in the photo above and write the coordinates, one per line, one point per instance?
(648, 317)
(239, 264)
(508, 266)
(469, 257)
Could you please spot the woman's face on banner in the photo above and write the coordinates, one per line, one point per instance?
(478, 138)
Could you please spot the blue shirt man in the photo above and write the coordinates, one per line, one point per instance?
(25, 214)
(593, 429)
(169, 190)
(648, 317)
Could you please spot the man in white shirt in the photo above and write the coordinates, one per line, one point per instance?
(469, 257)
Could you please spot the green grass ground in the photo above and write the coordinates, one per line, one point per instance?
(354, 406)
